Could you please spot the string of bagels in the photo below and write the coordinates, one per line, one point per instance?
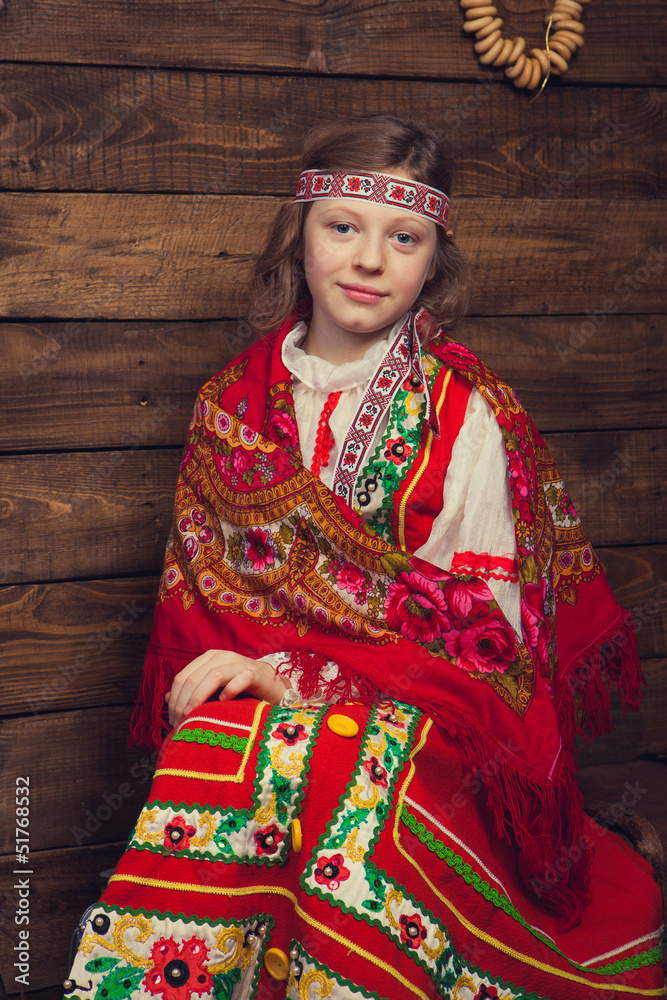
(564, 35)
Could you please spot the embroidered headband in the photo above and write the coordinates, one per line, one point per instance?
(382, 189)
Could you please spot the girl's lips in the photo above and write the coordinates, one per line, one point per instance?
(360, 294)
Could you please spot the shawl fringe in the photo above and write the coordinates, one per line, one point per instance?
(585, 693)
(148, 718)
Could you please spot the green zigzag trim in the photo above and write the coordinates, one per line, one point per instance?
(474, 879)
(214, 739)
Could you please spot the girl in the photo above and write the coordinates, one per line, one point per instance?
(380, 626)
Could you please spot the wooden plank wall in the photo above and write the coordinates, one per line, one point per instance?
(145, 144)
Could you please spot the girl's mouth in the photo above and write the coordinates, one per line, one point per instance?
(361, 293)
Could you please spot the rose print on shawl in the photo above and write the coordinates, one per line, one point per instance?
(416, 608)
(458, 619)
(483, 641)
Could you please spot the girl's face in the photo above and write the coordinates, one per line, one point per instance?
(365, 266)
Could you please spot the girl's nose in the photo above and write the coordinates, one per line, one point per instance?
(369, 254)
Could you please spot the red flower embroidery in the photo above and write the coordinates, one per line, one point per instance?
(462, 597)
(260, 551)
(397, 450)
(354, 184)
(376, 772)
(177, 834)
(485, 643)
(268, 840)
(350, 578)
(412, 930)
(285, 428)
(416, 608)
(331, 871)
(290, 733)
(398, 193)
(241, 461)
(177, 973)
(319, 184)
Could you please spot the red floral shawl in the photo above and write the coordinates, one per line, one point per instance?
(260, 558)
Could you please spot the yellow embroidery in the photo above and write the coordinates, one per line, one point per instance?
(357, 800)
(141, 833)
(319, 981)
(394, 896)
(229, 936)
(351, 850)
(202, 839)
(144, 931)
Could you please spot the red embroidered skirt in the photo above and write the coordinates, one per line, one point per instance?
(341, 851)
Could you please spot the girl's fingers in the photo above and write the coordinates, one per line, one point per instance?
(215, 669)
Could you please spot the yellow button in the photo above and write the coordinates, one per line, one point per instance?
(276, 963)
(297, 840)
(342, 725)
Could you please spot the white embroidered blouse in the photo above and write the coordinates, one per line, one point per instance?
(476, 513)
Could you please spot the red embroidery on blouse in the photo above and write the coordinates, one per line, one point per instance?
(324, 439)
(484, 565)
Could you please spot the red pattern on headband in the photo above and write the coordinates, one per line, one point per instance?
(382, 189)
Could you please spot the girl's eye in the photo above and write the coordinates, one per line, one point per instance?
(405, 239)
(342, 227)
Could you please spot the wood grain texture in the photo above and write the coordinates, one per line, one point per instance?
(91, 514)
(117, 383)
(85, 514)
(134, 256)
(123, 129)
(618, 482)
(65, 884)
(634, 733)
(86, 786)
(413, 38)
(73, 645)
(638, 577)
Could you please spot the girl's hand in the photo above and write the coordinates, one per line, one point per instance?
(221, 668)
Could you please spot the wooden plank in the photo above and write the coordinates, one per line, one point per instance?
(86, 786)
(116, 382)
(64, 884)
(618, 482)
(93, 514)
(634, 733)
(637, 576)
(644, 781)
(133, 256)
(124, 129)
(73, 645)
(589, 372)
(86, 514)
(47, 627)
(412, 38)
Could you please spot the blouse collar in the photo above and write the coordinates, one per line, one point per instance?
(324, 376)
